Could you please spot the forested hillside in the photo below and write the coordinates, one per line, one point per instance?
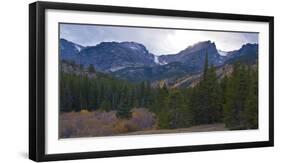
(231, 100)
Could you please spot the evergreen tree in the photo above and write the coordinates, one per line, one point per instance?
(105, 105)
(213, 105)
(206, 66)
(124, 110)
(164, 120)
(178, 110)
(251, 106)
(205, 98)
(91, 69)
(231, 96)
(240, 108)
(160, 101)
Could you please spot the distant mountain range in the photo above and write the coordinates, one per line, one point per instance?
(133, 62)
(108, 56)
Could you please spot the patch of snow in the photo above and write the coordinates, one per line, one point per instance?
(78, 48)
(222, 53)
(133, 47)
(113, 69)
(156, 60)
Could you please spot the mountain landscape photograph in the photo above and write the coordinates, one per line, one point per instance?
(120, 80)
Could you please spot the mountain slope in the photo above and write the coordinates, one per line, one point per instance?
(189, 62)
(132, 61)
(69, 50)
(136, 74)
(113, 56)
(247, 53)
(193, 57)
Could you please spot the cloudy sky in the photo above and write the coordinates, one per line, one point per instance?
(157, 41)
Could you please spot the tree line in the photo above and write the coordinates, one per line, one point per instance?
(84, 88)
(232, 100)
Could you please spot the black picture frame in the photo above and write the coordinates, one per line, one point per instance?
(37, 83)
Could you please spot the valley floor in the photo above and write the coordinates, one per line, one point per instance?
(198, 128)
(100, 123)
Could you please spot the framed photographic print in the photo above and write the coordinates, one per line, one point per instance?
(118, 81)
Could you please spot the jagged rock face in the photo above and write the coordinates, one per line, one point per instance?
(247, 53)
(194, 56)
(69, 50)
(113, 56)
(133, 62)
